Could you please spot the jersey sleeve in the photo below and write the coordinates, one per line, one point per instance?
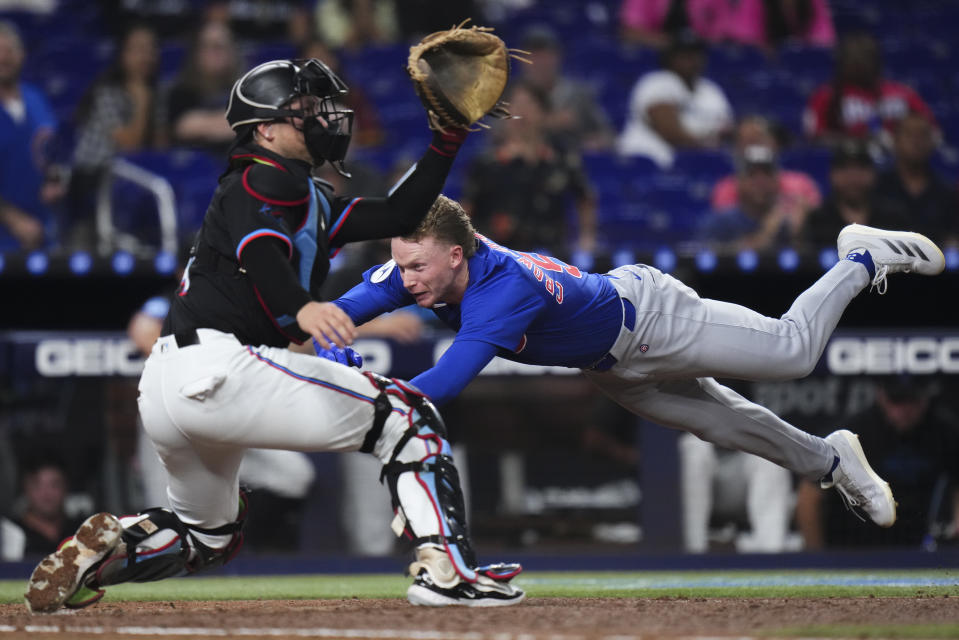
(380, 291)
(262, 245)
(499, 309)
(407, 203)
(455, 369)
(256, 215)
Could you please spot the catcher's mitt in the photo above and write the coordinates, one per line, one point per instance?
(460, 75)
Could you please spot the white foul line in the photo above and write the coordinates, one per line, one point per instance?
(326, 633)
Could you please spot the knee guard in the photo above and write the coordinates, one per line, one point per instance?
(156, 544)
(424, 486)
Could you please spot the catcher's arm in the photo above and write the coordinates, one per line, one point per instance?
(409, 200)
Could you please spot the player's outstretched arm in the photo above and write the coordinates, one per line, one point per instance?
(456, 368)
(380, 291)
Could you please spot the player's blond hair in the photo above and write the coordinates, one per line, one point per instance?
(447, 222)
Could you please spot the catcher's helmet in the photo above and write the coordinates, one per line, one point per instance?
(264, 94)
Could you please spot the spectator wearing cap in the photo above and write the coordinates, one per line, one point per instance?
(912, 187)
(911, 440)
(852, 199)
(676, 107)
(760, 219)
(576, 120)
(859, 101)
(797, 190)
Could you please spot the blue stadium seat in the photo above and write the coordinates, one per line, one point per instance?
(811, 160)
(172, 59)
(702, 165)
(257, 53)
(724, 59)
(193, 176)
(803, 60)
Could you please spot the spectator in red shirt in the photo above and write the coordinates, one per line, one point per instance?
(859, 101)
(797, 191)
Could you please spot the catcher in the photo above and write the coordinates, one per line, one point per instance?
(221, 379)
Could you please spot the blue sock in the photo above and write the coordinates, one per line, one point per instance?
(835, 463)
(863, 258)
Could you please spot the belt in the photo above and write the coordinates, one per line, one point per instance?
(186, 338)
(629, 321)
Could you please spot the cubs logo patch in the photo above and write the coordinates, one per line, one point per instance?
(644, 348)
(383, 272)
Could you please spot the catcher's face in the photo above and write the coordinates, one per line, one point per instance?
(432, 271)
(286, 136)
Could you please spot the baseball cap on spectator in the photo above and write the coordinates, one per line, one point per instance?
(852, 152)
(539, 37)
(757, 156)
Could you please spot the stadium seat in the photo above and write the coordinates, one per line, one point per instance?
(811, 160)
(702, 165)
(257, 53)
(193, 176)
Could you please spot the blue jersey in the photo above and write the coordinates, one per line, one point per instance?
(520, 306)
(22, 163)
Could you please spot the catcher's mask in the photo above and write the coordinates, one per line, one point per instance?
(264, 94)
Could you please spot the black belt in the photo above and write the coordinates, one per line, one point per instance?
(186, 338)
(629, 321)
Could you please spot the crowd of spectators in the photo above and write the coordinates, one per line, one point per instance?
(139, 101)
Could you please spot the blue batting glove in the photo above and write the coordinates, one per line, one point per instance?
(343, 355)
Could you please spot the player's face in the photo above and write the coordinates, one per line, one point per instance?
(289, 140)
(429, 270)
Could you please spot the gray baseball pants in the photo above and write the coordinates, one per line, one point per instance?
(666, 365)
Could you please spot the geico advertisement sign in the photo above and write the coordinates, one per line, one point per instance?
(88, 357)
(877, 356)
(119, 357)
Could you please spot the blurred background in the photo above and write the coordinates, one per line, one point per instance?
(725, 141)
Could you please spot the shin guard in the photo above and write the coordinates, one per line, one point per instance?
(425, 489)
(156, 544)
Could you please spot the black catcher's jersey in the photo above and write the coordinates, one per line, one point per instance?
(266, 241)
(262, 196)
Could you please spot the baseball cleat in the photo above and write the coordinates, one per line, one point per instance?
(482, 593)
(891, 252)
(58, 579)
(858, 484)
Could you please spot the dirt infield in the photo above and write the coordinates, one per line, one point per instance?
(536, 619)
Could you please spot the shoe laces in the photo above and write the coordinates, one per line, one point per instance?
(852, 504)
(879, 281)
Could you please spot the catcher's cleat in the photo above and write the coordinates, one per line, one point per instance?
(58, 579)
(859, 486)
(482, 593)
(889, 252)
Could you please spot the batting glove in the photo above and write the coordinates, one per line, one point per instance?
(343, 355)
